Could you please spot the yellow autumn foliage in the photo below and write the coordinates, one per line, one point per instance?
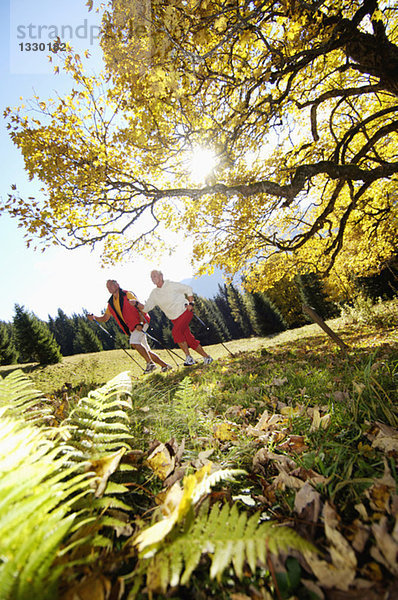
(296, 101)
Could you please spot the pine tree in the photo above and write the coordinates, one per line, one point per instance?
(313, 293)
(204, 333)
(239, 311)
(8, 352)
(221, 302)
(218, 318)
(214, 329)
(380, 285)
(265, 317)
(160, 328)
(64, 332)
(86, 340)
(35, 342)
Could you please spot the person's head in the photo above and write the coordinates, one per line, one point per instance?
(157, 277)
(112, 286)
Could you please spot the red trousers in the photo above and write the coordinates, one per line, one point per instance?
(181, 332)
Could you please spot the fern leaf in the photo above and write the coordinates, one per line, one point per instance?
(19, 398)
(228, 537)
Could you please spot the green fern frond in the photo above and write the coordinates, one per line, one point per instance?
(19, 398)
(35, 508)
(48, 509)
(228, 537)
(185, 392)
(98, 425)
(209, 481)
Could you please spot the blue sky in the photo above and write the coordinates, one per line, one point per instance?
(57, 278)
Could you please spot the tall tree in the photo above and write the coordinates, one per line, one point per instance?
(160, 328)
(297, 100)
(64, 332)
(34, 340)
(239, 311)
(313, 293)
(86, 340)
(221, 301)
(285, 295)
(266, 318)
(8, 352)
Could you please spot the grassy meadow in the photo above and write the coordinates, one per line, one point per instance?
(315, 429)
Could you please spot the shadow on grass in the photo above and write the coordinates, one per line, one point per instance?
(25, 367)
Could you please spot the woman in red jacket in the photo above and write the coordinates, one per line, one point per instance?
(122, 306)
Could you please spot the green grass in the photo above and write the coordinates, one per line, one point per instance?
(93, 369)
(292, 376)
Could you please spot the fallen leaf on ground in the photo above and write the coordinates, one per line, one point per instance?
(340, 572)
(278, 381)
(383, 437)
(381, 491)
(358, 535)
(294, 443)
(307, 503)
(282, 462)
(318, 421)
(386, 551)
(95, 587)
(161, 462)
(224, 432)
(104, 467)
(284, 480)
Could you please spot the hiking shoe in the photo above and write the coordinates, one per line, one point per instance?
(189, 361)
(166, 368)
(150, 367)
(207, 360)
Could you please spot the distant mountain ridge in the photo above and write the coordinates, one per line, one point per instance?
(206, 285)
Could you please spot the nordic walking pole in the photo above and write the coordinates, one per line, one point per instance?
(164, 347)
(124, 349)
(222, 343)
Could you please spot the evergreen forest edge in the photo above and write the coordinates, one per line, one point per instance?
(230, 315)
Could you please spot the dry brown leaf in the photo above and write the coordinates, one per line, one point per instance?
(359, 535)
(380, 493)
(318, 421)
(310, 475)
(284, 480)
(269, 421)
(94, 587)
(312, 587)
(339, 396)
(282, 462)
(308, 502)
(340, 572)
(372, 571)
(294, 443)
(386, 551)
(202, 459)
(278, 381)
(104, 467)
(384, 437)
(176, 475)
(360, 508)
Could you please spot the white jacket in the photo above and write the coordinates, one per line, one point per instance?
(170, 298)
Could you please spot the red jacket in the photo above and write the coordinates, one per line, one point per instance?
(131, 316)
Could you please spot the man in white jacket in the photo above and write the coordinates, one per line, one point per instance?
(171, 298)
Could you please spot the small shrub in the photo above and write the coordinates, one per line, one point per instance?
(364, 311)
